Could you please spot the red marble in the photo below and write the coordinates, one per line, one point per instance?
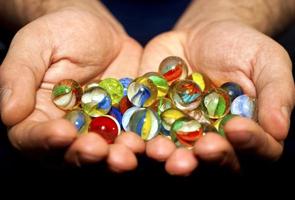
(173, 74)
(124, 104)
(106, 126)
(189, 138)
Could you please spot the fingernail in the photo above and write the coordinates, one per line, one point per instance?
(286, 112)
(77, 161)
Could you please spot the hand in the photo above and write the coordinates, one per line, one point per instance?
(69, 43)
(229, 51)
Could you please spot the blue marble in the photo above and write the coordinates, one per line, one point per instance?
(164, 131)
(142, 92)
(115, 112)
(127, 116)
(96, 101)
(146, 123)
(105, 103)
(141, 96)
(80, 121)
(233, 89)
(243, 106)
(125, 82)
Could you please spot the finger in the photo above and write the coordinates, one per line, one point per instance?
(132, 141)
(127, 62)
(21, 74)
(247, 136)
(160, 148)
(87, 149)
(182, 162)
(33, 135)
(213, 148)
(276, 91)
(164, 45)
(121, 158)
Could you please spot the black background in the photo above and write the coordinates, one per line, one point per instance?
(147, 19)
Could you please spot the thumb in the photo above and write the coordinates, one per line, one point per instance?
(275, 89)
(21, 74)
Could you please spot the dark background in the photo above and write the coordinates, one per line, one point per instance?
(143, 20)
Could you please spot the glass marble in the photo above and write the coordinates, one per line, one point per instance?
(114, 88)
(79, 119)
(233, 89)
(124, 104)
(168, 117)
(146, 123)
(162, 104)
(208, 128)
(160, 82)
(115, 112)
(127, 116)
(173, 68)
(186, 131)
(96, 101)
(219, 124)
(142, 92)
(186, 95)
(202, 81)
(66, 94)
(200, 116)
(216, 123)
(90, 85)
(243, 106)
(216, 103)
(125, 82)
(106, 126)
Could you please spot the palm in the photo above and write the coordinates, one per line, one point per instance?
(228, 51)
(221, 52)
(84, 70)
(80, 59)
(69, 44)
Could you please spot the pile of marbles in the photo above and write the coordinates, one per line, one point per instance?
(168, 102)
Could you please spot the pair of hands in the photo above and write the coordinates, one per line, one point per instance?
(85, 46)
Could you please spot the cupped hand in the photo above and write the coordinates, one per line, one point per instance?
(229, 51)
(67, 44)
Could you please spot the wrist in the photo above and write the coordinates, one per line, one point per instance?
(266, 16)
(29, 10)
(17, 13)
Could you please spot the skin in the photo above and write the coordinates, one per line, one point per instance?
(73, 41)
(222, 44)
(230, 47)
